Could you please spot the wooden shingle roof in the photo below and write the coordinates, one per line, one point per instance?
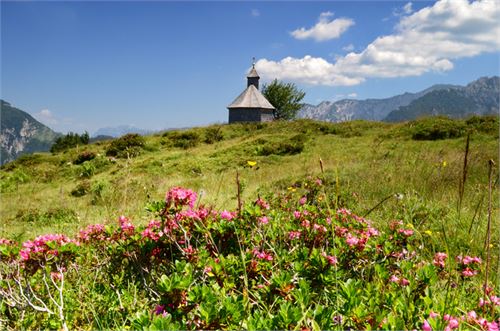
(251, 98)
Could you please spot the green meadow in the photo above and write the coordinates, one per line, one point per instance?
(367, 161)
(270, 242)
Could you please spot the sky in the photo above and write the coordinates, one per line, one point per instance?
(80, 66)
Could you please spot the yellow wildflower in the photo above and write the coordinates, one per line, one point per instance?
(251, 163)
(428, 232)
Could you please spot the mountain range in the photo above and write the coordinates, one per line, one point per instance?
(21, 134)
(479, 97)
(120, 130)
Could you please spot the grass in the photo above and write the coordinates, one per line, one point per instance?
(224, 271)
(367, 161)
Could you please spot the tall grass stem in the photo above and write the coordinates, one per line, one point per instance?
(488, 230)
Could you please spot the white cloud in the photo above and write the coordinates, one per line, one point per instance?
(325, 29)
(255, 13)
(46, 116)
(348, 48)
(407, 9)
(352, 95)
(426, 41)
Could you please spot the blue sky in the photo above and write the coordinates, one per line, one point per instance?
(86, 65)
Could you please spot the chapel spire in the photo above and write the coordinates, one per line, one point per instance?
(253, 76)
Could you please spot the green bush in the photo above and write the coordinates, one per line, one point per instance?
(484, 124)
(49, 217)
(81, 189)
(184, 139)
(129, 145)
(292, 147)
(84, 156)
(435, 128)
(213, 134)
(69, 141)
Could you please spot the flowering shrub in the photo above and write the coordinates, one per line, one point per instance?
(284, 261)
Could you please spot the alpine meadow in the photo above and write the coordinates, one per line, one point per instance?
(250, 165)
(299, 224)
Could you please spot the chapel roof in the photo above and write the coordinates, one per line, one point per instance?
(251, 98)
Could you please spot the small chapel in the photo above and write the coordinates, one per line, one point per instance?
(251, 105)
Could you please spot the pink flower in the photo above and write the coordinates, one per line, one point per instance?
(426, 326)
(406, 232)
(483, 322)
(296, 214)
(159, 309)
(302, 201)
(262, 204)
(351, 240)
(468, 260)
(319, 228)
(471, 316)
(294, 235)
(227, 215)
(394, 279)
(453, 323)
(40, 245)
(433, 314)
(332, 260)
(439, 259)
(179, 197)
(126, 226)
(306, 223)
(469, 273)
(495, 300)
(404, 282)
(492, 326)
(263, 255)
(92, 232)
(263, 220)
(56, 275)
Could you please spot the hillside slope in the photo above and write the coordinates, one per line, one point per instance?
(367, 160)
(20, 133)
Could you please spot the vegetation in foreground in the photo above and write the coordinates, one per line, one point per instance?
(285, 261)
(267, 267)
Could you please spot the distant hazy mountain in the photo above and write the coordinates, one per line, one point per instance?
(20, 133)
(480, 96)
(118, 131)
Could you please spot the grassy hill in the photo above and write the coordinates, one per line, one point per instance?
(367, 161)
(407, 255)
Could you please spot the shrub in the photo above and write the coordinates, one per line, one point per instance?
(185, 139)
(129, 145)
(484, 124)
(86, 170)
(292, 147)
(84, 156)
(44, 218)
(81, 189)
(435, 128)
(69, 141)
(213, 134)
